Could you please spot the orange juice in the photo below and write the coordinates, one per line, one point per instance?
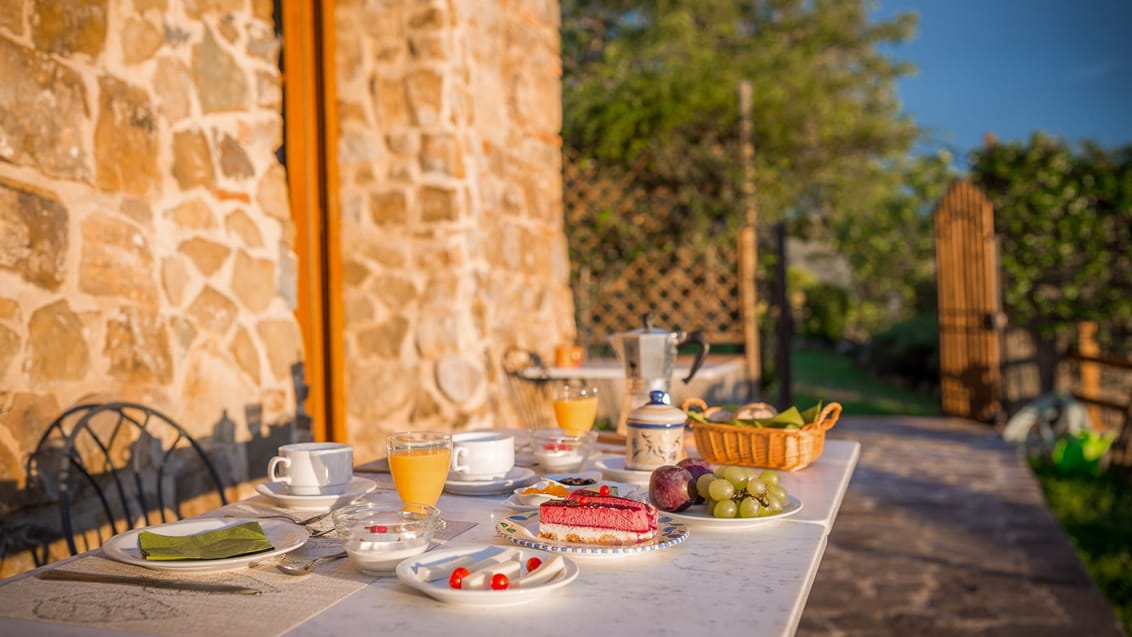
(420, 473)
(576, 414)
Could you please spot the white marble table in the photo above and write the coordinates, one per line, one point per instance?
(751, 581)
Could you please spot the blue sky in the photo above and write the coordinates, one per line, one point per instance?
(1018, 66)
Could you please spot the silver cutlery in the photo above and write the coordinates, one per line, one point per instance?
(203, 587)
(306, 567)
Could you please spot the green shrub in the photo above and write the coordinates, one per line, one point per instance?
(908, 350)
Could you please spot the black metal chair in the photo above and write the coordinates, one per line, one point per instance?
(528, 384)
(120, 463)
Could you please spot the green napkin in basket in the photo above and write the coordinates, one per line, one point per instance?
(231, 541)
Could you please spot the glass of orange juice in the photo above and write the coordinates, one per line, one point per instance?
(575, 406)
(419, 462)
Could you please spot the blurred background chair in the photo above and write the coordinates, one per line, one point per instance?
(118, 466)
(528, 385)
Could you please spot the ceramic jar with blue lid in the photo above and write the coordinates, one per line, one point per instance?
(655, 434)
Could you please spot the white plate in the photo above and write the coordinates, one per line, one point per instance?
(284, 536)
(439, 589)
(277, 491)
(529, 503)
(613, 468)
(522, 529)
(697, 515)
(516, 477)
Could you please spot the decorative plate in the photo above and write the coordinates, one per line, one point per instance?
(522, 529)
(697, 515)
(409, 571)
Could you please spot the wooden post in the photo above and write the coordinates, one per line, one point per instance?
(749, 248)
(1090, 372)
(785, 320)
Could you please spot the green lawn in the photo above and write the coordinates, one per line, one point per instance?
(1095, 511)
(826, 376)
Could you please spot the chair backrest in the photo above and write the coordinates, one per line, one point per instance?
(528, 387)
(122, 463)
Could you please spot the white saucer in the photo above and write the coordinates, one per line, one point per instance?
(697, 516)
(613, 468)
(517, 477)
(277, 491)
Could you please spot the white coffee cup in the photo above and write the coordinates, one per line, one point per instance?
(313, 468)
(482, 455)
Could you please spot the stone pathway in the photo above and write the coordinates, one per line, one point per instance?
(944, 531)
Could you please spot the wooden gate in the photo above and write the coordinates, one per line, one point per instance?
(970, 316)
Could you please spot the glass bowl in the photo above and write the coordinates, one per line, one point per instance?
(558, 451)
(377, 536)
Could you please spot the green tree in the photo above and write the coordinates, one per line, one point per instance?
(1064, 221)
(651, 86)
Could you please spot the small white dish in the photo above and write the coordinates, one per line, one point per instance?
(613, 468)
(278, 493)
(284, 536)
(696, 515)
(531, 501)
(516, 477)
(409, 570)
(522, 529)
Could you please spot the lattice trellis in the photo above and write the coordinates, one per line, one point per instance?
(633, 269)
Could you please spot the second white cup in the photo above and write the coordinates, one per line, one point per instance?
(313, 468)
(482, 455)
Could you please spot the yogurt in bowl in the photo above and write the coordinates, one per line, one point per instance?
(377, 536)
(557, 451)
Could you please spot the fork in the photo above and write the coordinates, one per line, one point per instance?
(306, 567)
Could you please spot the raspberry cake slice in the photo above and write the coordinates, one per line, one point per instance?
(588, 517)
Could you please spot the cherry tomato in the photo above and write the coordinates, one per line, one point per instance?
(499, 582)
(456, 579)
(377, 529)
(604, 490)
(533, 563)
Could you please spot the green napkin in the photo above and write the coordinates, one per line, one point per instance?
(210, 545)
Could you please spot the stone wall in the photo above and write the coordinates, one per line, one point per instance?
(144, 223)
(452, 239)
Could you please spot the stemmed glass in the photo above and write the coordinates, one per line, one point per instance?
(419, 463)
(575, 406)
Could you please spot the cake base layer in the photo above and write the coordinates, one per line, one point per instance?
(576, 535)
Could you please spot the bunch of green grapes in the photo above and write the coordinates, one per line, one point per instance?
(742, 492)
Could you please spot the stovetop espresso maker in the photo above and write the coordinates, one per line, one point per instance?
(649, 357)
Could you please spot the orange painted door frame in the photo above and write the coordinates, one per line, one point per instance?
(310, 134)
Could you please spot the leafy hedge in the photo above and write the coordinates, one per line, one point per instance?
(908, 350)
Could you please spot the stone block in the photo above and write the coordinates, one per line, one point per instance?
(283, 344)
(240, 224)
(438, 204)
(34, 241)
(193, 214)
(192, 160)
(213, 311)
(116, 261)
(140, 40)
(137, 347)
(220, 81)
(208, 256)
(53, 140)
(234, 162)
(389, 208)
(9, 348)
(125, 139)
(244, 350)
(385, 340)
(271, 193)
(175, 279)
(253, 281)
(425, 91)
(57, 346)
(172, 86)
(65, 27)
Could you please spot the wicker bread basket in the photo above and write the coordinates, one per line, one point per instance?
(772, 448)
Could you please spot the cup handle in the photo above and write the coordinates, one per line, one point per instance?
(275, 462)
(458, 466)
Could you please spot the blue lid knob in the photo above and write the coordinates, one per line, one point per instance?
(659, 397)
